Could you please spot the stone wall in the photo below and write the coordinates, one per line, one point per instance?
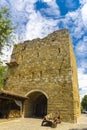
(47, 65)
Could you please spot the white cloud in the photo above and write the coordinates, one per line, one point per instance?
(3, 3)
(7, 51)
(48, 0)
(82, 78)
(52, 10)
(18, 5)
(84, 14)
(75, 24)
(81, 47)
(23, 11)
(82, 2)
(39, 26)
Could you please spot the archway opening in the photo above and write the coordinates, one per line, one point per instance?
(36, 105)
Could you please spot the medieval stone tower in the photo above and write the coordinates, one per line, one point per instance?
(44, 70)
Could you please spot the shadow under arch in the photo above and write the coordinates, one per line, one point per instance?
(36, 105)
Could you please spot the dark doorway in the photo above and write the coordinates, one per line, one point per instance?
(40, 106)
(36, 105)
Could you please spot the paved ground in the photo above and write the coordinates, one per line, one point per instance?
(35, 124)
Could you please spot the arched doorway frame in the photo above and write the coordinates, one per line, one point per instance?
(29, 113)
(36, 90)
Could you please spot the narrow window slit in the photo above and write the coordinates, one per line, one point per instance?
(40, 74)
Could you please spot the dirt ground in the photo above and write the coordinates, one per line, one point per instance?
(35, 124)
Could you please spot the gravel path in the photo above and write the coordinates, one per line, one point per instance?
(35, 124)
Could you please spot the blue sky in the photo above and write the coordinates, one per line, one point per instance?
(38, 18)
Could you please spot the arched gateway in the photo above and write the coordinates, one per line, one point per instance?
(36, 105)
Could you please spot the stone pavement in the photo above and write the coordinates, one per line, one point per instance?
(35, 124)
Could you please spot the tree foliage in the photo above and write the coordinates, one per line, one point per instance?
(6, 30)
(5, 27)
(84, 102)
(3, 72)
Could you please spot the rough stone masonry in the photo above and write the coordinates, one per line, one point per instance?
(45, 71)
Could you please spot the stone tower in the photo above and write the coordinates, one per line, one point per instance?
(44, 70)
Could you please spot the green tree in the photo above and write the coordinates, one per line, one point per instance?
(3, 72)
(6, 28)
(84, 102)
